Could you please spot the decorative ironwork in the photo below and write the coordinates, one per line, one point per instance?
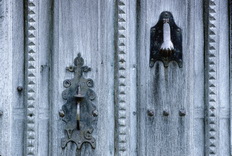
(166, 41)
(79, 113)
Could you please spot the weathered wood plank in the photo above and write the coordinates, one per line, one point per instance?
(171, 88)
(132, 76)
(6, 76)
(44, 50)
(12, 76)
(18, 106)
(223, 79)
(93, 29)
(197, 78)
(86, 27)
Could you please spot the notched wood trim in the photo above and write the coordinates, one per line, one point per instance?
(211, 79)
(31, 70)
(121, 118)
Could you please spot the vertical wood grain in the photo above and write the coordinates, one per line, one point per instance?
(171, 88)
(86, 27)
(198, 109)
(18, 103)
(44, 50)
(12, 76)
(114, 38)
(132, 64)
(223, 79)
(6, 73)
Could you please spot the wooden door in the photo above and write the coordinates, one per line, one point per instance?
(141, 110)
(198, 88)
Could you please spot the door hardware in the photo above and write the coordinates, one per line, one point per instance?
(79, 113)
(166, 41)
(19, 88)
(182, 112)
(165, 113)
(150, 113)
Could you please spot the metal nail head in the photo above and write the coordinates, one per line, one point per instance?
(150, 113)
(165, 113)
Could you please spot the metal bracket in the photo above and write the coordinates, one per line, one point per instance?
(79, 113)
(166, 41)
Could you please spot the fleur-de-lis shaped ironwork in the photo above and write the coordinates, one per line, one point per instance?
(79, 112)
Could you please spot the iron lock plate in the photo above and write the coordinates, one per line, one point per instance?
(79, 112)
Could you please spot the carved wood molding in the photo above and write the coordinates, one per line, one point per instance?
(121, 135)
(31, 69)
(211, 79)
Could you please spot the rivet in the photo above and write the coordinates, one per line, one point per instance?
(95, 113)
(1, 112)
(151, 64)
(182, 112)
(165, 113)
(61, 113)
(89, 83)
(67, 83)
(70, 68)
(20, 88)
(150, 113)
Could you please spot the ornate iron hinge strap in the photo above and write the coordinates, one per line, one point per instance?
(79, 113)
(166, 41)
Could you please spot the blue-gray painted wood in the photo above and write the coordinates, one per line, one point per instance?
(91, 27)
(86, 27)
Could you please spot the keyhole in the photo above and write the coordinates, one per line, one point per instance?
(78, 125)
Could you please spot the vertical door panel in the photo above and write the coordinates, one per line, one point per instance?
(44, 10)
(6, 76)
(18, 106)
(12, 76)
(86, 27)
(172, 88)
(223, 78)
(39, 39)
(197, 41)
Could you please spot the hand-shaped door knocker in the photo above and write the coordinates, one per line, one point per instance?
(166, 41)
